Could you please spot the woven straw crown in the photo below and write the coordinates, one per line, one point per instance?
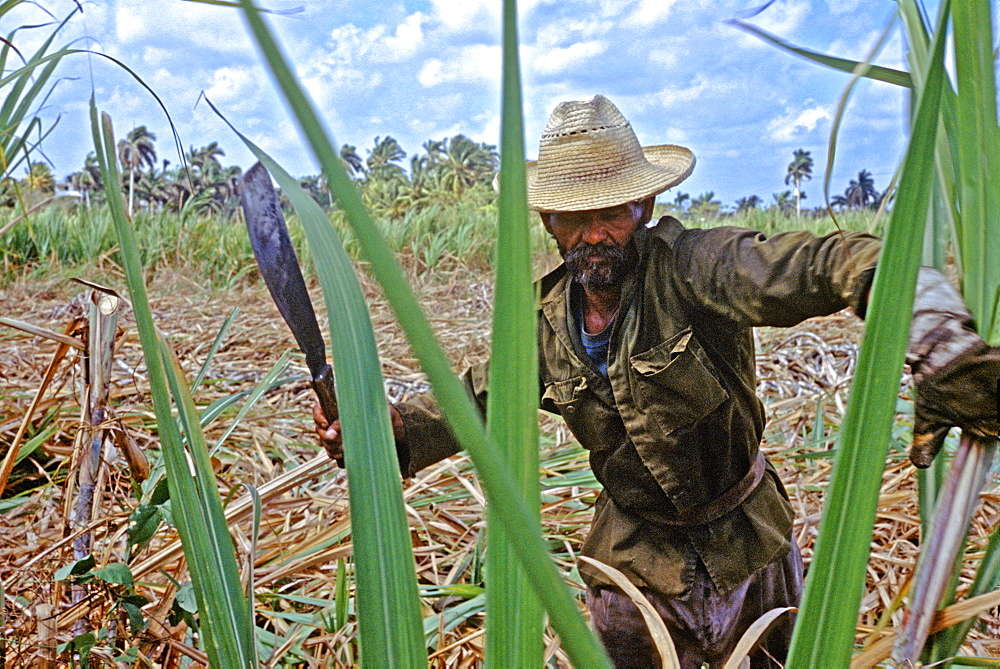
(589, 158)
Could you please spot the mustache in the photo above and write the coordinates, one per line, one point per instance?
(598, 265)
(582, 253)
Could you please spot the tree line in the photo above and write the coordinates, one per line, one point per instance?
(448, 172)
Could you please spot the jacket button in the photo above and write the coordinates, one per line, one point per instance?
(571, 409)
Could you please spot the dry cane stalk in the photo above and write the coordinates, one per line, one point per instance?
(103, 326)
(958, 499)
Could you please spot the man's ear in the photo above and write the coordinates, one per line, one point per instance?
(545, 221)
(647, 209)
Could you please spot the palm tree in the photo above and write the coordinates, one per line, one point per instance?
(39, 179)
(784, 201)
(862, 193)
(317, 188)
(677, 206)
(435, 150)
(88, 179)
(382, 159)
(134, 151)
(748, 203)
(800, 168)
(355, 165)
(83, 183)
(206, 157)
(422, 183)
(466, 163)
(705, 206)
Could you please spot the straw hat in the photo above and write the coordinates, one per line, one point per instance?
(589, 158)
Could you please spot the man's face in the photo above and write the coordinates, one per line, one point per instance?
(595, 243)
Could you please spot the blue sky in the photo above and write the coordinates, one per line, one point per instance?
(429, 69)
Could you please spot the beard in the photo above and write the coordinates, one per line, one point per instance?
(600, 266)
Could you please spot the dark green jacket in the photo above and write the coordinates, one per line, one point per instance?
(677, 423)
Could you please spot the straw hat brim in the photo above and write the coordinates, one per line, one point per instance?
(666, 166)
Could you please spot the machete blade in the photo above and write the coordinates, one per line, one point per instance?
(279, 267)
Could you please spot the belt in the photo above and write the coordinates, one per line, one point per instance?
(720, 506)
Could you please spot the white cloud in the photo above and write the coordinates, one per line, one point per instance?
(465, 15)
(129, 26)
(353, 58)
(791, 125)
(838, 7)
(156, 57)
(558, 60)
(784, 17)
(420, 69)
(209, 27)
(235, 85)
(664, 57)
(701, 88)
(341, 68)
(676, 136)
(350, 43)
(568, 30)
(649, 13)
(614, 8)
(490, 132)
(473, 64)
(431, 73)
(407, 40)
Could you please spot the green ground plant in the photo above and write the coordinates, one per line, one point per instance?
(74, 238)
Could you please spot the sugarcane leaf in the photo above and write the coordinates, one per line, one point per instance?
(265, 384)
(389, 609)
(978, 160)
(581, 645)
(824, 633)
(514, 633)
(216, 343)
(877, 72)
(977, 155)
(196, 507)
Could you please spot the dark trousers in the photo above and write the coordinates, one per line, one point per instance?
(705, 625)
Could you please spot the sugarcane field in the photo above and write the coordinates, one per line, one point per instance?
(461, 333)
(803, 375)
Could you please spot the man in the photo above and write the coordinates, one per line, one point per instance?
(646, 351)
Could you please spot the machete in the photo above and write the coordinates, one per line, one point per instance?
(279, 267)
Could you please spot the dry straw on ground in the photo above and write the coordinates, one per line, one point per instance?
(305, 527)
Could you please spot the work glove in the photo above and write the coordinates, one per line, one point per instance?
(955, 372)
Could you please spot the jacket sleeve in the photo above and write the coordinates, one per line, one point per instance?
(781, 280)
(429, 438)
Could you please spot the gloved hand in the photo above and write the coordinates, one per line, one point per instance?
(956, 372)
(962, 394)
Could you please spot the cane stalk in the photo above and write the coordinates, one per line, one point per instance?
(957, 501)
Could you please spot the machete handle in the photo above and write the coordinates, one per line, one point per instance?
(326, 391)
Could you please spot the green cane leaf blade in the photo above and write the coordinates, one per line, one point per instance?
(824, 633)
(514, 630)
(200, 524)
(581, 644)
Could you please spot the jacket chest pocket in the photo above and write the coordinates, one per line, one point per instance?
(674, 383)
(594, 424)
